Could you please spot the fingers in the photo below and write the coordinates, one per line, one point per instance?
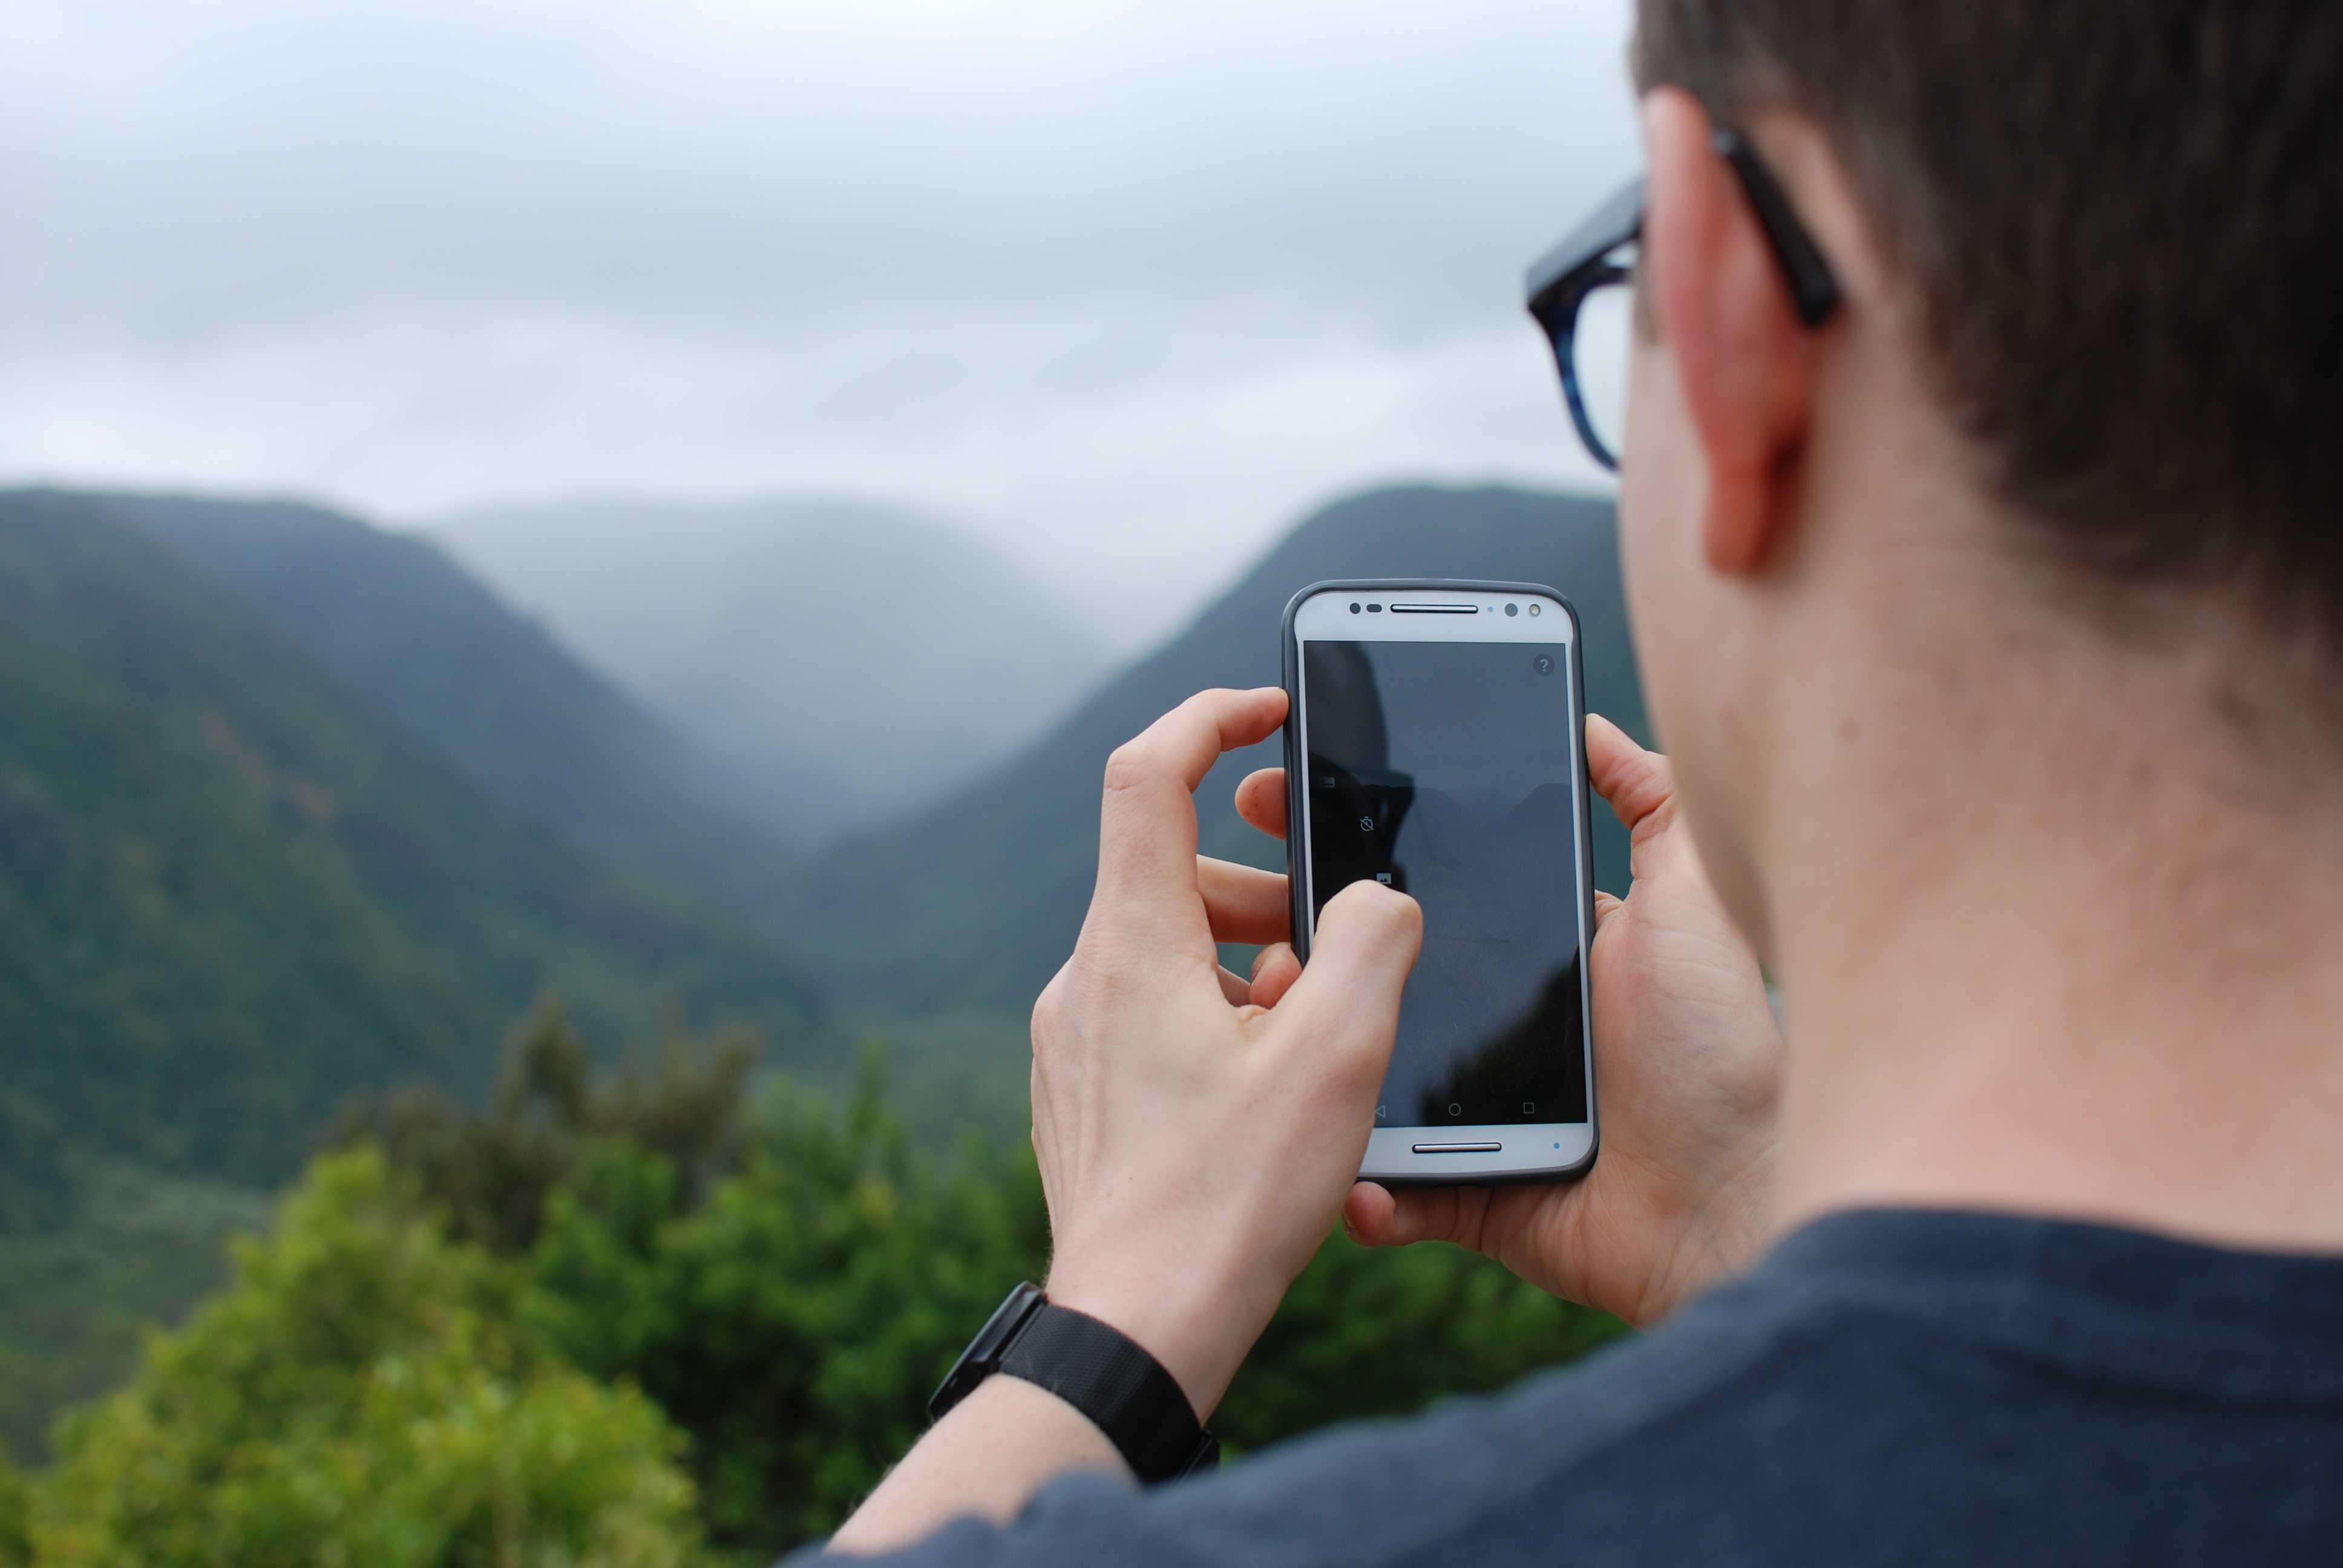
(1241, 904)
(1639, 784)
(1346, 1004)
(1377, 1216)
(1260, 800)
(1233, 986)
(1274, 970)
(1606, 905)
(1367, 1214)
(1147, 819)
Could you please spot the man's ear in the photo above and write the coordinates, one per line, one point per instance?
(1741, 355)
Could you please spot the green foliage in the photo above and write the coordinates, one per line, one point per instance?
(796, 1321)
(611, 1317)
(491, 1175)
(359, 1396)
(795, 1316)
(79, 1300)
(15, 1517)
(164, 936)
(1366, 1334)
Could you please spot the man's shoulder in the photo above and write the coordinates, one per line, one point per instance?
(1641, 1425)
(1886, 1387)
(1484, 1475)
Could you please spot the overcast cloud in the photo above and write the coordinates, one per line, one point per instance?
(1123, 285)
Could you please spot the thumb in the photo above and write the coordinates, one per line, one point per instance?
(1378, 1216)
(1347, 999)
(1639, 784)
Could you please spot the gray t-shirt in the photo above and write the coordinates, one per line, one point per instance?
(1890, 1386)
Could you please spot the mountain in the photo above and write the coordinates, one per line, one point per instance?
(404, 629)
(850, 661)
(231, 892)
(290, 807)
(971, 905)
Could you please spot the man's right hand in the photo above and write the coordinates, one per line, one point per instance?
(1688, 1057)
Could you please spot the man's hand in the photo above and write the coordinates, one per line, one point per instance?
(1687, 1058)
(1198, 1133)
(1196, 1148)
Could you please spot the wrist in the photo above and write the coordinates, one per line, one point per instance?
(1200, 1326)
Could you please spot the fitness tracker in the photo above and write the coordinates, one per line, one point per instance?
(1099, 1371)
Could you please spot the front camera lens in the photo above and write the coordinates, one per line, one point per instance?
(1513, 609)
(1355, 610)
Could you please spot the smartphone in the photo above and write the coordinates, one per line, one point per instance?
(1435, 742)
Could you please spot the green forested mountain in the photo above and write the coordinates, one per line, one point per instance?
(972, 905)
(249, 859)
(230, 893)
(237, 885)
(290, 808)
(411, 633)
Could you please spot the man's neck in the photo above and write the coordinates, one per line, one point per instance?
(2077, 978)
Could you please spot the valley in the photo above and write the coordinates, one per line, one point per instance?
(294, 808)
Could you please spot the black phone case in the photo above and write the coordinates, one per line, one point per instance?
(1290, 666)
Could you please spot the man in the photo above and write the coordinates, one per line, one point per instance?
(1988, 580)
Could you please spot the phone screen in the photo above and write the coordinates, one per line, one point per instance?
(1445, 770)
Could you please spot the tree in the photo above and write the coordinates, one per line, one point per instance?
(491, 1174)
(787, 1283)
(358, 1395)
(796, 1321)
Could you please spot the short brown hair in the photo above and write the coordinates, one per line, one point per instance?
(2123, 225)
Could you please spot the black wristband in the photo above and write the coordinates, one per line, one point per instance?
(1099, 1371)
(1106, 1375)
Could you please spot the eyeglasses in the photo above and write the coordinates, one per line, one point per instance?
(1582, 292)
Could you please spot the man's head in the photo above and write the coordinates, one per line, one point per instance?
(2087, 399)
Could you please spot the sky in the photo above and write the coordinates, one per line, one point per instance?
(1126, 288)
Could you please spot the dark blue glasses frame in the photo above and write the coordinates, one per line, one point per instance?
(1561, 281)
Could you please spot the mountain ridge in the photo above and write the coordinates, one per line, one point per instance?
(235, 893)
(407, 629)
(851, 660)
